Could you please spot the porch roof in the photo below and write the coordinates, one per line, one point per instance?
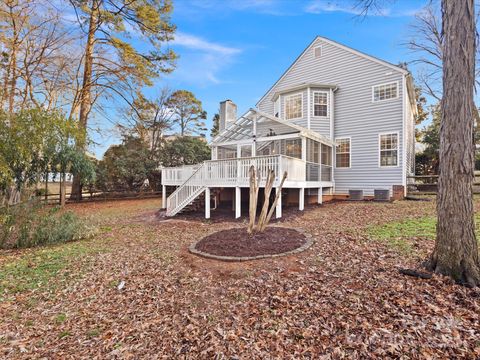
(257, 125)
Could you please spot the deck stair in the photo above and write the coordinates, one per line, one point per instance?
(190, 196)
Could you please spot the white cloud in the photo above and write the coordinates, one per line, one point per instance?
(201, 61)
(197, 43)
(268, 7)
(328, 6)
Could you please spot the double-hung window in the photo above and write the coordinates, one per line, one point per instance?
(388, 148)
(385, 92)
(342, 153)
(293, 106)
(320, 103)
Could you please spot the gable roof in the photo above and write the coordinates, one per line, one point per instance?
(341, 46)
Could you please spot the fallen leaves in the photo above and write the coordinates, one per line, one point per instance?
(147, 297)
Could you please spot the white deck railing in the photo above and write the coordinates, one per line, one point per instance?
(236, 171)
(229, 172)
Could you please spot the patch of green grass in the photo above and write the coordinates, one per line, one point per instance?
(64, 334)
(43, 267)
(421, 227)
(60, 318)
(399, 234)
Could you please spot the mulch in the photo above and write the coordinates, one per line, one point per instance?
(237, 242)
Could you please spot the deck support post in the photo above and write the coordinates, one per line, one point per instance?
(238, 202)
(207, 203)
(278, 209)
(164, 196)
(320, 195)
(301, 199)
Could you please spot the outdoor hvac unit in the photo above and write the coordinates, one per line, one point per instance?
(356, 195)
(382, 195)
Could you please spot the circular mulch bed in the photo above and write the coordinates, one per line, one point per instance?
(236, 244)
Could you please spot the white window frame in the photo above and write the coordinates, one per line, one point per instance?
(315, 51)
(389, 99)
(380, 149)
(286, 97)
(277, 107)
(349, 138)
(313, 103)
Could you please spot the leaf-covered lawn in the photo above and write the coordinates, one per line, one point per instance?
(134, 291)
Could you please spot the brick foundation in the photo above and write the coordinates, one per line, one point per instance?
(398, 192)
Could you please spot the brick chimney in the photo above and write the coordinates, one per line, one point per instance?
(228, 114)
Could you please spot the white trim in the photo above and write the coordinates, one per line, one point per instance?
(379, 150)
(303, 86)
(260, 139)
(301, 199)
(238, 202)
(333, 43)
(207, 203)
(277, 107)
(308, 107)
(332, 113)
(278, 209)
(285, 106)
(304, 149)
(328, 103)
(349, 152)
(383, 84)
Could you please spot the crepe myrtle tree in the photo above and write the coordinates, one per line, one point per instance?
(254, 225)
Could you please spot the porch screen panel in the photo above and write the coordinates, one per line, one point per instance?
(313, 160)
(293, 148)
(326, 163)
(226, 153)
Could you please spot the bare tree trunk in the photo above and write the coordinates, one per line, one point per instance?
(86, 92)
(253, 198)
(275, 202)
(456, 248)
(63, 190)
(266, 200)
(46, 187)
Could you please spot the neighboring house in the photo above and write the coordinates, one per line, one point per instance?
(336, 120)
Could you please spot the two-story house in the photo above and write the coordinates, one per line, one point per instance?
(337, 120)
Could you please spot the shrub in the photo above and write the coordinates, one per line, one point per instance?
(29, 225)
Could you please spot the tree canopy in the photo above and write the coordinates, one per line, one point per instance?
(188, 113)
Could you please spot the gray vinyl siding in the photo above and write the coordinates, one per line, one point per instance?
(355, 115)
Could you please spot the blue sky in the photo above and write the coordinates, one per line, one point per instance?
(237, 49)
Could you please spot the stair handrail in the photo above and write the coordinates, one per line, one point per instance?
(180, 188)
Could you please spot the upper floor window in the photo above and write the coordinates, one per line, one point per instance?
(342, 153)
(317, 52)
(276, 107)
(293, 106)
(385, 91)
(388, 149)
(320, 103)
